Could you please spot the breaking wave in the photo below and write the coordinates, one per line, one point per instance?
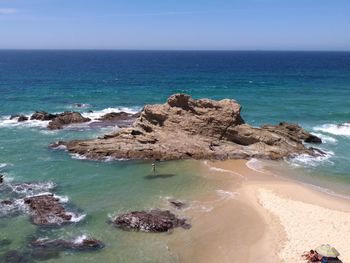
(326, 138)
(99, 113)
(305, 160)
(336, 129)
(93, 115)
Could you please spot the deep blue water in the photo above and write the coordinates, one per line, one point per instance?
(309, 88)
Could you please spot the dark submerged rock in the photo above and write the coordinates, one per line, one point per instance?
(85, 244)
(152, 221)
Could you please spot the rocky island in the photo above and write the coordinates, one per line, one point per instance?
(184, 127)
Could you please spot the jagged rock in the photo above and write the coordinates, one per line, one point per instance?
(200, 129)
(84, 244)
(43, 116)
(22, 118)
(122, 119)
(47, 210)
(152, 221)
(294, 131)
(66, 118)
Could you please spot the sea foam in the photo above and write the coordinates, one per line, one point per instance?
(336, 129)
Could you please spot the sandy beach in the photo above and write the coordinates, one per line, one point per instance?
(257, 216)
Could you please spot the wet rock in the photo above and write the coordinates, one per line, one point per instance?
(186, 128)
(66, 118)
(152, 221)
(293, 131)
(122, 119)
(116, 116)
(22, 118)
(84, 244)
(177, 204)
(43, 116)
(47, 210)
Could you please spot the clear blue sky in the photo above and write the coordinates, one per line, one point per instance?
(176, 24)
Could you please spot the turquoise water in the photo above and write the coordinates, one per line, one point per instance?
(310, 88)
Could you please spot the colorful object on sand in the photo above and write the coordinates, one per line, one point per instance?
(327, 251)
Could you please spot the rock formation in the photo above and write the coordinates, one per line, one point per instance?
(66, 118)
(47, 210)
(152, 221)
(200, 129)
(122, 119)
(43, 116)
(84, 244)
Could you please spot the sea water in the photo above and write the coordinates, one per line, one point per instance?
(309, 88)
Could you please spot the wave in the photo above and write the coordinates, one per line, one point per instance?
(3, 165)
(31, 188)
(226, 194)
(325, 138)
(76, 217)
(99, 113)
(305, 160)
(78, 156)
(221, 170)
(13, 207)
(5, 122)
(256, 165)
(336, 129)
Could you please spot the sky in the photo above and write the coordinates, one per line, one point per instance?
(175, 24)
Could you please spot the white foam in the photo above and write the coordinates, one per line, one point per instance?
(80, 239)
(99, 113)
(76, 218)
(3, 165)
(256, 165)
(32, 188)
(326, 138)
(306, 160)
(226, 194)
(6, 122)
(341, 129)
(221, 170)
(78, 156)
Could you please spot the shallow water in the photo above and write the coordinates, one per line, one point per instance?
(311, 88)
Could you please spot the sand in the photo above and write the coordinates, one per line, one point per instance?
(261, 217)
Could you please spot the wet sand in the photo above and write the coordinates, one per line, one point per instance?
(256, 216)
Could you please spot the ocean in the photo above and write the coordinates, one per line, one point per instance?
(309, 88)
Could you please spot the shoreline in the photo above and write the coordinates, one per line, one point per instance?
(268, 218)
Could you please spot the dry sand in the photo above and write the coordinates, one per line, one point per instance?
(260, 217)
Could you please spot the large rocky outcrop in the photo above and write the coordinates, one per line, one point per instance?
(200, 129)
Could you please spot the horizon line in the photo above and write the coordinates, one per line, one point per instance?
(174, 50)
